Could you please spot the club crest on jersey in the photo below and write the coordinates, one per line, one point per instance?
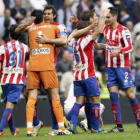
(41, 51)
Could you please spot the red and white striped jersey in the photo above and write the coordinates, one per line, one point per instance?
(83, 57)
(13, 69)
(119, 38)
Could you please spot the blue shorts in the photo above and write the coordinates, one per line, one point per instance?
(87, 87)
(11, 92)
(116, 76)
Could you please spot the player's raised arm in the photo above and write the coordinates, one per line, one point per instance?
(57, 41)
(78, 33)
(101, 24)
(23, 27)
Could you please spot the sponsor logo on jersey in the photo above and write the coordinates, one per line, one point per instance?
(13, 70)
(80, 67)
(41, 51)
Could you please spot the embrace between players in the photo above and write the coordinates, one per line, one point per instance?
(43, 34)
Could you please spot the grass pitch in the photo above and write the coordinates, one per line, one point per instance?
(129, 134)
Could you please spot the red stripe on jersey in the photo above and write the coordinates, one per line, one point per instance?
(127, 61)
(89, 52)
(83, 74)
(76, 75)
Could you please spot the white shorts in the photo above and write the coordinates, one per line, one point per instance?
(82, 114)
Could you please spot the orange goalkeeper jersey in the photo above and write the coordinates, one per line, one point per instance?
(41, 55)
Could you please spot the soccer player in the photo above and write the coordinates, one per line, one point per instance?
(118, 47)
(38, 72)
(68, 106)
(49, 16)
(12, 57)
(85, 82)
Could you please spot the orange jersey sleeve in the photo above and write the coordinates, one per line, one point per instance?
(41, 55)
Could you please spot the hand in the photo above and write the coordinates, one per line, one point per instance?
(73, 19)
(105, 12)
(115, 52)
(31, 21)
(41, 39)
(93, 25)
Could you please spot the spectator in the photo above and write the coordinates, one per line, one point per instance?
(38, 4)
(63, 65)
(7, 15)
(2, 7)
(83, 6)
(18, 12)
(57, 3)
(125, 16)
(67, 79)
(9, 4)
(137, 48)
(137, 29)
(64, 15)
(100, 6)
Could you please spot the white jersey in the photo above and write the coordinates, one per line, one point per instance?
(13, 67)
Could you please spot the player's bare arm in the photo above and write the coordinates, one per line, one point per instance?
(77, 33)
(101, 24)
(62, 40)
(23, 27)
(99, 46)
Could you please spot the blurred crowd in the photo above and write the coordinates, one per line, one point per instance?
(19, 11)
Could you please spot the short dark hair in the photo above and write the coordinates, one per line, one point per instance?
(39, 16)
(82, 24)
(51, 7)
(113, 11)
(12, 32)
(86, 15)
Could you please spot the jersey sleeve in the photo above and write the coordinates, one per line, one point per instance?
(63, 30)
(87, 40)
(126, 36)
(2, 50)
(57, 31)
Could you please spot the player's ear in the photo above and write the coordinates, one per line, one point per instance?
(91, 19)
(54, 16)
(115, 17)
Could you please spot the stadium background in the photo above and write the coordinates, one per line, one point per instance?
(128, 16)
